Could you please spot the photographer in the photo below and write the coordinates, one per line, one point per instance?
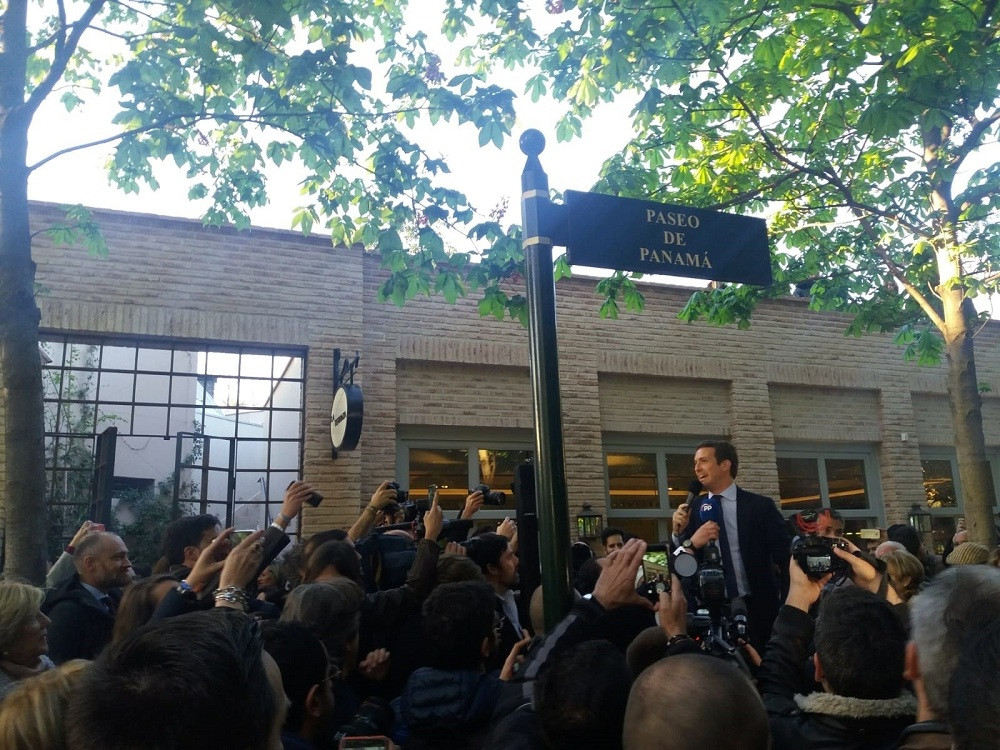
(382, 497)
(860, 641)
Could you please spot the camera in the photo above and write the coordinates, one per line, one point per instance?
(814, 554)
(490, 497)
(718, 625)
(412, 509)
(402, 496)
(712, 580)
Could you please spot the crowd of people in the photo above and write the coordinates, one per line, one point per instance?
(415, 633)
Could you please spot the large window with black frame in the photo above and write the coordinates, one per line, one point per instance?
(943, 504)
(201, 428)
(843, 478)
(458, 462)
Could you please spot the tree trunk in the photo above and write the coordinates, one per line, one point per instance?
(20, 364)
(978, 491)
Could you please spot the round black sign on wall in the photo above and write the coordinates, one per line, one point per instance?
(346, 417)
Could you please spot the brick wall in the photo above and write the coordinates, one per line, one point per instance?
(792, 376)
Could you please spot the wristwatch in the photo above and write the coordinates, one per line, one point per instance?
(687, 544)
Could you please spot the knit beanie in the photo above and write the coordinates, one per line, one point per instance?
(969, 553)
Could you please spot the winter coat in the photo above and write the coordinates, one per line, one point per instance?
(821, 720)
(925, 735)
(80, 627)
(448, 709)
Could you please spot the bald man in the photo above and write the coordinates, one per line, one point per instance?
(82, 608)
(694, 702)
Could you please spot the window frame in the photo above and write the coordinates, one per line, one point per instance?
(471, 440)
(944, 453)
(660, 446)
(170, 351)
(820, 452)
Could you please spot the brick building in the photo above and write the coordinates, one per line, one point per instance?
(819, 419)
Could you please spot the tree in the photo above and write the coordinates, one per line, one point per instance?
(223, 89)
(858, 128)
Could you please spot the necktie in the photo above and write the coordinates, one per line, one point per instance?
(732, 589)
(109, 605)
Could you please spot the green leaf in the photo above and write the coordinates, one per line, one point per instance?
(431, 241)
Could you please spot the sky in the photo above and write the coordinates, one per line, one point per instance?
(486, 175)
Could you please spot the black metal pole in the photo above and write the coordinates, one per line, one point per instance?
(550, 471)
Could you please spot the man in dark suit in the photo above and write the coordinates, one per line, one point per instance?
(82, 608)
(752, 537)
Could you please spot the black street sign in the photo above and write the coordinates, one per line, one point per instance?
(625, 234)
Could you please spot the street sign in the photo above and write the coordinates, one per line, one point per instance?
(626, 234)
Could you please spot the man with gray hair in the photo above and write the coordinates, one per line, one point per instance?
(943, 617)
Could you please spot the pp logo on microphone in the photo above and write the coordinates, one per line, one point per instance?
(707, 508)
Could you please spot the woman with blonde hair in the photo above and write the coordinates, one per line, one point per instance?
(23, 627)
(34, 714)
(906, 573)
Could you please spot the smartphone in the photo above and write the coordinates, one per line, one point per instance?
(365, 743)
(314, 499)
(869, 533)
(654, 572)
(239, 535)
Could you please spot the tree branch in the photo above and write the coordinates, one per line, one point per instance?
(192, 118)
(846, 11)
(975, 138)
(971, 196)
(63, 54)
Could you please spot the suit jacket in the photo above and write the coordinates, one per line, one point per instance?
(764, 548)
(80, 627)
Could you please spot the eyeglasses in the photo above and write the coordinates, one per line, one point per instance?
(333, 673)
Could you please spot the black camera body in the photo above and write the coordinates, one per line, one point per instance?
(712, 580)
(490, 497)
(412, 509)
(402, 496)
(814, 554)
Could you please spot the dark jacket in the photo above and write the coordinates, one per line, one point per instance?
(448, 709)
(925, 735)
(291, 741)
(80, 627)
(821, 720)
(517, 731)
(765, 550)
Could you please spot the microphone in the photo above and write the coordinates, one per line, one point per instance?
(709, 510)
(694, 489)
(738, 627)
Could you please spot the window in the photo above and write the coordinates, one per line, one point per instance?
(151, 391)
(834, 477)
(456, 464)
(645, 485)
(943, 491)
